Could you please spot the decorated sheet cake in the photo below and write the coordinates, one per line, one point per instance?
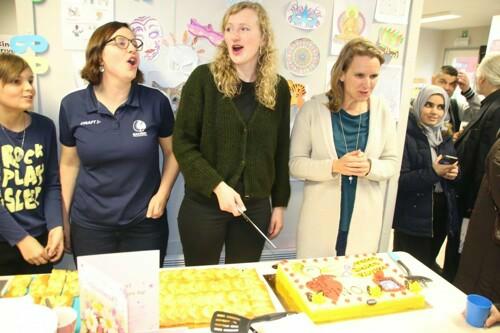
(335, 288)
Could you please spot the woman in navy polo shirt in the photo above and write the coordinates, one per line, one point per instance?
(112, 188)
(31, 233)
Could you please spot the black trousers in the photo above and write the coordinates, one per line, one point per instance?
(149, 234)
(204, 229)
(426, 249)
(13, 263)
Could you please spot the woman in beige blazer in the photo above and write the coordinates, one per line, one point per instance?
(343, 146)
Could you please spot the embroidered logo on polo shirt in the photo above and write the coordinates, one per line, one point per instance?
(90, 122)
(139, 128)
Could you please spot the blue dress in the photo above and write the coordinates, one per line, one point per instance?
(354, 129)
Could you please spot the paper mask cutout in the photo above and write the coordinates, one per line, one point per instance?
(305, 15)
(205, 31)
(21, 43)
(38, 65)
(176, 62)
(149, 30)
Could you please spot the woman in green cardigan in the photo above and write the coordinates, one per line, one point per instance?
(231, 139)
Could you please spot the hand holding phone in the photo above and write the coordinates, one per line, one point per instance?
(448, 160)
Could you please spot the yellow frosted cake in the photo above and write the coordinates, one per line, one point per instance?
(336, 288)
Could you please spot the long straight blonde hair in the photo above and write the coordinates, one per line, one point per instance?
(355, 47)
(224, 72)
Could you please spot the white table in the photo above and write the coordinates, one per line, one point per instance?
(443, 313)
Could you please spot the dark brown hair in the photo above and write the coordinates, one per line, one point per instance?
(93, 54)
(355, 47)
(450, 70)
(11, 66)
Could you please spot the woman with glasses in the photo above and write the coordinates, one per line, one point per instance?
(113, 192)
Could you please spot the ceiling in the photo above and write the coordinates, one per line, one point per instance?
(475, 13)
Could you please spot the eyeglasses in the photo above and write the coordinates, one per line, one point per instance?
(123, 42)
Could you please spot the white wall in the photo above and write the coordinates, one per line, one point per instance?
(60, 80)
(8, 21)
(429, 54)
(433, 43)
(477, 36)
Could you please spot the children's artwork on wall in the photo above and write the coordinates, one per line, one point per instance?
(205, 31)
(174, 64)
(298, 93)
(302, 56)
(305, 15)
(79, 19)
(28, 46)
(389, 86)
(392, 11)
(351, 19)
(390, 41)
(173, 94)
(5, 44)
(149, 30)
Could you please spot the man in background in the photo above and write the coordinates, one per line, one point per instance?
(449, 78)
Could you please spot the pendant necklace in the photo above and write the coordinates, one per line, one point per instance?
(345, 141)
(18, 156)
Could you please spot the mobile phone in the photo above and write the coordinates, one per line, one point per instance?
(448, 159)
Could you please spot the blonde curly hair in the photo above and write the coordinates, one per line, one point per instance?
(224, 72)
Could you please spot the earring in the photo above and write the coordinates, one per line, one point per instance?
(101, 68)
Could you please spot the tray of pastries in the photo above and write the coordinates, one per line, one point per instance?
(189, 297)
(57, 288)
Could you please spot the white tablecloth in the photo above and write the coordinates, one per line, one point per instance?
(443, 313)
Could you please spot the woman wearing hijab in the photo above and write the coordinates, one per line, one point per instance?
(426, 209)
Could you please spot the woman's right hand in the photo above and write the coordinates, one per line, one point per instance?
(353, 163)
(448, 171)
(32, 251)
(229, 199)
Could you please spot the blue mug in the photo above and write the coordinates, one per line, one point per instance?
(478, 310)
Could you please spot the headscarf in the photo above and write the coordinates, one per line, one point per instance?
(433, 133)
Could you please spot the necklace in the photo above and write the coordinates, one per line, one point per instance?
(18, 154)
(345, 141)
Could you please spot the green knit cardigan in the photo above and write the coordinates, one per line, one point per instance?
(212, 142)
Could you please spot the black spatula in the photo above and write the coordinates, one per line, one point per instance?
(225, 322)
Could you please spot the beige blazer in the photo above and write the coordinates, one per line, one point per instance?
(312, 153)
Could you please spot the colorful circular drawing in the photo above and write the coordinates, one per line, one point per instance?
(302, 56)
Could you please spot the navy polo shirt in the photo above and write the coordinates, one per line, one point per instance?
(119, 157)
